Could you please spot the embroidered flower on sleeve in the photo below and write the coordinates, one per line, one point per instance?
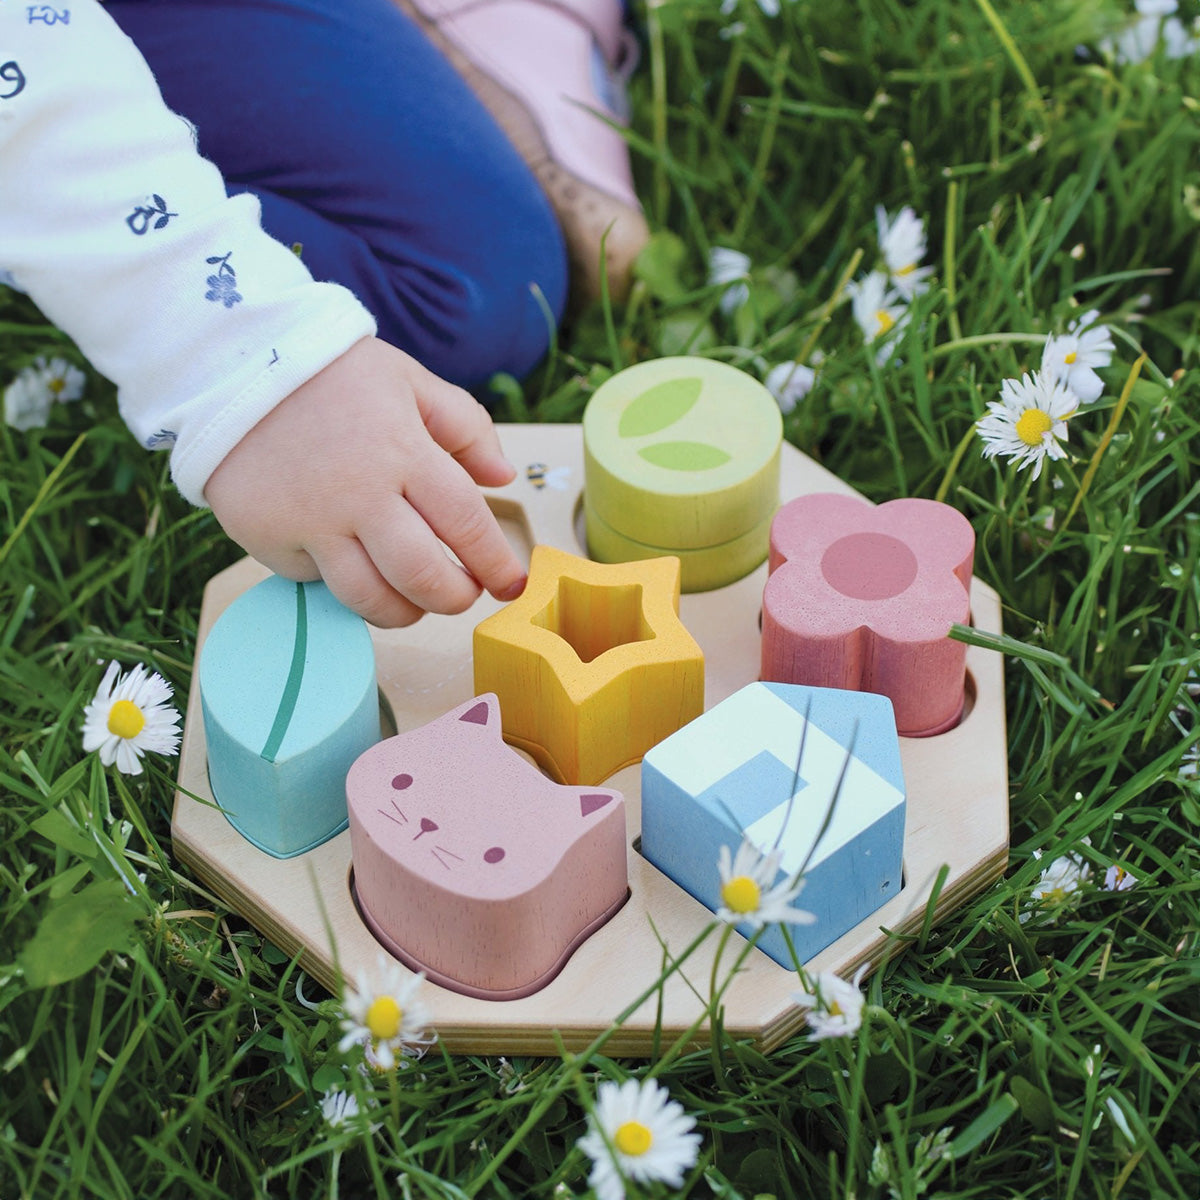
(222, 284)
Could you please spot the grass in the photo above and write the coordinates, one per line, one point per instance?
(1001, 1057)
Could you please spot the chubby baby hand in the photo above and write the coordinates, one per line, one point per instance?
(360, 475)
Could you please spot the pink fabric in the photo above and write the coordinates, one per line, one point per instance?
(541, 53)
(602, 17)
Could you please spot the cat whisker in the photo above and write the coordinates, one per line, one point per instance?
(401, 820)
(438, 851)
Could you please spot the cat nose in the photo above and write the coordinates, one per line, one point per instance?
(427, 826)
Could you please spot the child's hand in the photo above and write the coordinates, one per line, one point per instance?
(357, 474)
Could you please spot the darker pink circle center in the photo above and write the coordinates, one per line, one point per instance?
(869, 566)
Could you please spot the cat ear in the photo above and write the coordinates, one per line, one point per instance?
(591, 802)
(482, 710)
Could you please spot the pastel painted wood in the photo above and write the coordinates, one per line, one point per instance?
(471, 865)
(772, 764)
(288, 692)
(863, 597)
(681, 456)
(591, 663)
(956, 838)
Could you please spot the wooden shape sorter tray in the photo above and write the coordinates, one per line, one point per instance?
(957, 815)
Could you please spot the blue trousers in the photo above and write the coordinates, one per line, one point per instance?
(365, 147)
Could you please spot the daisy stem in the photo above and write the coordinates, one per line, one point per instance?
(949, 259)
(955, 459)
(1016, 57)
(1105, 439)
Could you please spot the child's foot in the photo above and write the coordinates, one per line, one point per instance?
(545, 68)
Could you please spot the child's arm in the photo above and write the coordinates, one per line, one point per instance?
(125, 238)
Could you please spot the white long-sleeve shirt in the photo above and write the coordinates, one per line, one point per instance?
(124, 237)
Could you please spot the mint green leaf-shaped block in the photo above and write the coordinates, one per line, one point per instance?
(290, 700)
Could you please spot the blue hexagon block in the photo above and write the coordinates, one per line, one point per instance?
(765, 764)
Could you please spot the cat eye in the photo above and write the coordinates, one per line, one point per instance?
(401, 782)
(494, 855)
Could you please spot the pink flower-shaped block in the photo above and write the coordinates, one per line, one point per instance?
(862, 597)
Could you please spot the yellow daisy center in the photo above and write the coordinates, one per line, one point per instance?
(125, 719)
(1070, 358)
(384, 1018)
(633, 1138)
(885, 319)
(834, 1009)
(912, 266)
(1032, 425)
(56, 385)
(741, 894)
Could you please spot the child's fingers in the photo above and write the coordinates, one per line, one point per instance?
(463, 428)
(412, 560)
(353, 578)
(443, 494)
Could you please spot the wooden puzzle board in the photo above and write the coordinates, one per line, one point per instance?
(957, 815)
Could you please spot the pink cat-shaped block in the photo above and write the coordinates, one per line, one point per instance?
(473, 866)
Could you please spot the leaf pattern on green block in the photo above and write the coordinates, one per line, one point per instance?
(684, 456)
(659, 406)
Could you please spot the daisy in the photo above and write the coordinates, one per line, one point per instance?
(1117, 879)
(384, 1014)
(1072, 357)
(63, 381)
(902, 244)
(129, 716)
(877, 308)
(28, 399)
(747, 894)
(726, 266)
(834, 1006)
(789, 383)
(637, 1132)
(338, 1107)
(1028, 420)
(1062, 879)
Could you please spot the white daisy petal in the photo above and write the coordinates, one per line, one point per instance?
(1029, 421)
(789, 383)
(636, 1131)
(385, 1015)
(834, 1005)
(753, 894)
(129, 716)
(902, 246)
(1072, 357)
(878, 308)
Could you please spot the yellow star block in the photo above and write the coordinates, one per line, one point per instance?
(591, 664)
